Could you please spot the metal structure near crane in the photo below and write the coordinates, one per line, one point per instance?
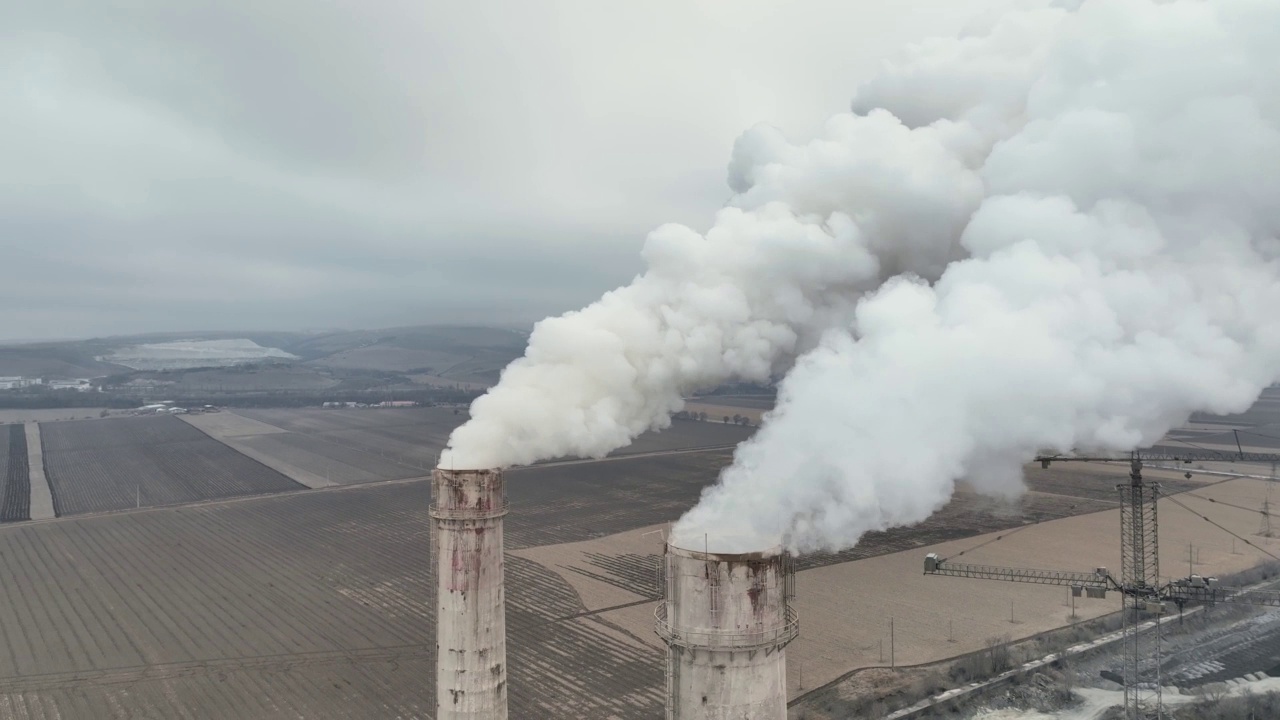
(1139, 581)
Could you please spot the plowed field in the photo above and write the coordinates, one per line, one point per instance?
(15, 497)
(100, 465)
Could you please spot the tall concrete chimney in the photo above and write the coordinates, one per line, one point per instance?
(471, 627)
(726, 620)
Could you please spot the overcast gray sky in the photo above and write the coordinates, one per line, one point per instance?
(291, 164)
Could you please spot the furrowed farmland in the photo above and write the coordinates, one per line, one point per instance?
(686, 434)
(224, 596)
(358, 445)
(332, 459)
(297, 605)
(318, 604)
(417, 435)
(100, 465)
(352, 446)
(15, 498)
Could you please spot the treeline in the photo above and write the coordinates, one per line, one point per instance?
(736, 419)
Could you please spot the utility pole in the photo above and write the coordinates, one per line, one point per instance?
(892, 649)
(1264, 525)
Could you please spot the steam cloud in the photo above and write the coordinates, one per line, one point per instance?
(1057, 232)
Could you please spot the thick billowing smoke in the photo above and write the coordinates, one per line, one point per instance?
(1057, 233)
(815, 227)
(811, 228)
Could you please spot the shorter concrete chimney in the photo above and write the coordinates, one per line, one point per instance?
(726, 620)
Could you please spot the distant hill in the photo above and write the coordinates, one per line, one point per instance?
(54, 360)
(242, 378)
(465, 354)
(428, 337)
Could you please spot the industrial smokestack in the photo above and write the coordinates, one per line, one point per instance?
(726, 619)
(471, 630)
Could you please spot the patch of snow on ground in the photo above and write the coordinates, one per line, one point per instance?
(195, 353)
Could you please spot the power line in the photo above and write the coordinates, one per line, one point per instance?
(988, 542)
(1259, 548)
(1220, 502)
(1260, 434)
(1197, 447)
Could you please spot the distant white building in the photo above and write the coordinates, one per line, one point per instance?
(80, 384)
(155, 408)
(15, 382)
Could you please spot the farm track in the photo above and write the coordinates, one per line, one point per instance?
(15, 498)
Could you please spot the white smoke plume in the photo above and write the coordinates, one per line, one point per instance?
(1058, 232)
(783, 263)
